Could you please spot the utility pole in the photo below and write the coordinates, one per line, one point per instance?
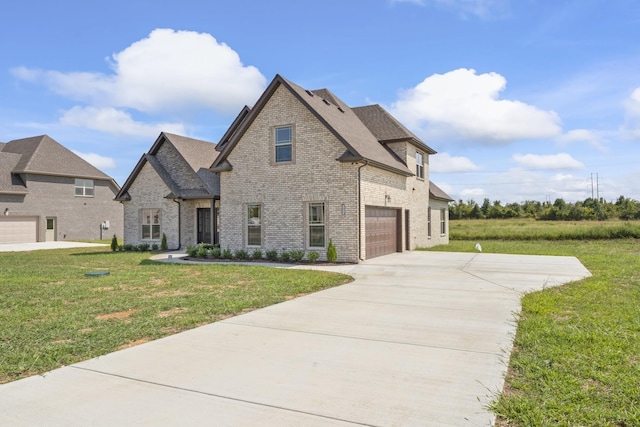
(597, 188)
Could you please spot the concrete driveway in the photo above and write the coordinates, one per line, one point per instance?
(418, 339)
(23, 247)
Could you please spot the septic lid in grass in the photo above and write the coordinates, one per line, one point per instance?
(96, 273)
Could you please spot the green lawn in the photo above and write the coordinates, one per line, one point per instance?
(52, 315)
(576, 358)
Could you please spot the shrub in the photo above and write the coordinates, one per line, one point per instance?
(271, 255)
(163, 243)
(332, 254)
(114, 243)
(201, 251)
(256, 254)
(296, 255)
(226, 254)
(241, 254)
(154, 247)
(120, 248)
(285, 256)
(313, 256)
(192, 251)
(215, 252)
(143, 247)
(129, 247)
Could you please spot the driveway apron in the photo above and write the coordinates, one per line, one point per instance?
(417, 339)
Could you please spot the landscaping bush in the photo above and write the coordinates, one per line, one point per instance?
(296, 255)
(128, 247)
(272, 255)
(163, 243)
(256, 254)
(332, 254)
(226, 254)
(201, 251)
(215, 252)
(192, 251)
(143, 247)
(285, 256)
(114, 243)
(313, 256)
(241, 254)
(154, 247)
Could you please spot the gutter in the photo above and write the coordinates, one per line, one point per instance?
(366, 162)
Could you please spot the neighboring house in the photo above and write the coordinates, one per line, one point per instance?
(301, 168)
(49, 193)
(171, 191)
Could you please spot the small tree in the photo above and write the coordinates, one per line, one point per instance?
(114, 243)
(332, 254)
(163, 243)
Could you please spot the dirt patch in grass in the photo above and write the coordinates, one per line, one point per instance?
(117, 315)
(171, 312)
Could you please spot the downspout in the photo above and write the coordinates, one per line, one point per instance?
(366, 162)
(179, 224)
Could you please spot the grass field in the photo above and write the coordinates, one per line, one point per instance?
(52, 315)
(576, 357)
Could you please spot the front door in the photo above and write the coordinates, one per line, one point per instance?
(204, 225)
(50, 236)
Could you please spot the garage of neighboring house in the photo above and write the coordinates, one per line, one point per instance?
(18, 229)
(382, 233)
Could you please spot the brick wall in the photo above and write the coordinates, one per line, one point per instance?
(284, 190)
(76, 217)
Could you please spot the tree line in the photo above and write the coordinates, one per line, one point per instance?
(589, 209)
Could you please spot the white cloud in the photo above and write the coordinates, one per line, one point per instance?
(550, 161)
(446, 163)
(167, 71)
(117, 122)
(465, 105)
(594, 139)
(631, 128)
(471, 193)
(97, 160)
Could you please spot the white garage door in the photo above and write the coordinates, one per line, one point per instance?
(18, 230)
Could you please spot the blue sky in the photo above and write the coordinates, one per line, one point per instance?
(523, 100)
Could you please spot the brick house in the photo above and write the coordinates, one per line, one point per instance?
(49, 193)
(301, 168)
(171, 191)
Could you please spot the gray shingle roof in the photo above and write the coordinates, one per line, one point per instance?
(386, 128)
(436, 192)
(190, 179)
(44, 156)
(10, 183)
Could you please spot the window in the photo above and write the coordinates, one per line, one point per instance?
(84, 187)
(284, 144)
(443, 221)
(419, 165)
(254, 225)
(316, 225)
(150, 224)
(429, 223)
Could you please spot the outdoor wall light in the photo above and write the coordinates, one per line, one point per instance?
(6, 212)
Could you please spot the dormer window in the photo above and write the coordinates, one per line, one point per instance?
(284, 144)
(419, 165)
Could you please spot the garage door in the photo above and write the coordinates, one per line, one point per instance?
(18, 230)
(381, 231)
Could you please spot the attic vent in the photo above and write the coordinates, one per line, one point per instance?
(309, 92)
(340, 109)
(326, 102)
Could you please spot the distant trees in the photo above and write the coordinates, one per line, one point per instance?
(560, 210)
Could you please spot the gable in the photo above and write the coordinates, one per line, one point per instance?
(359, 143)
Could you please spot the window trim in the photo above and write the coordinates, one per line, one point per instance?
(152, 224)
(290, 143)
(248, 226)
(85, 186)
(420, 166)
(429, 222)
(443, 221)
(322, 223)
